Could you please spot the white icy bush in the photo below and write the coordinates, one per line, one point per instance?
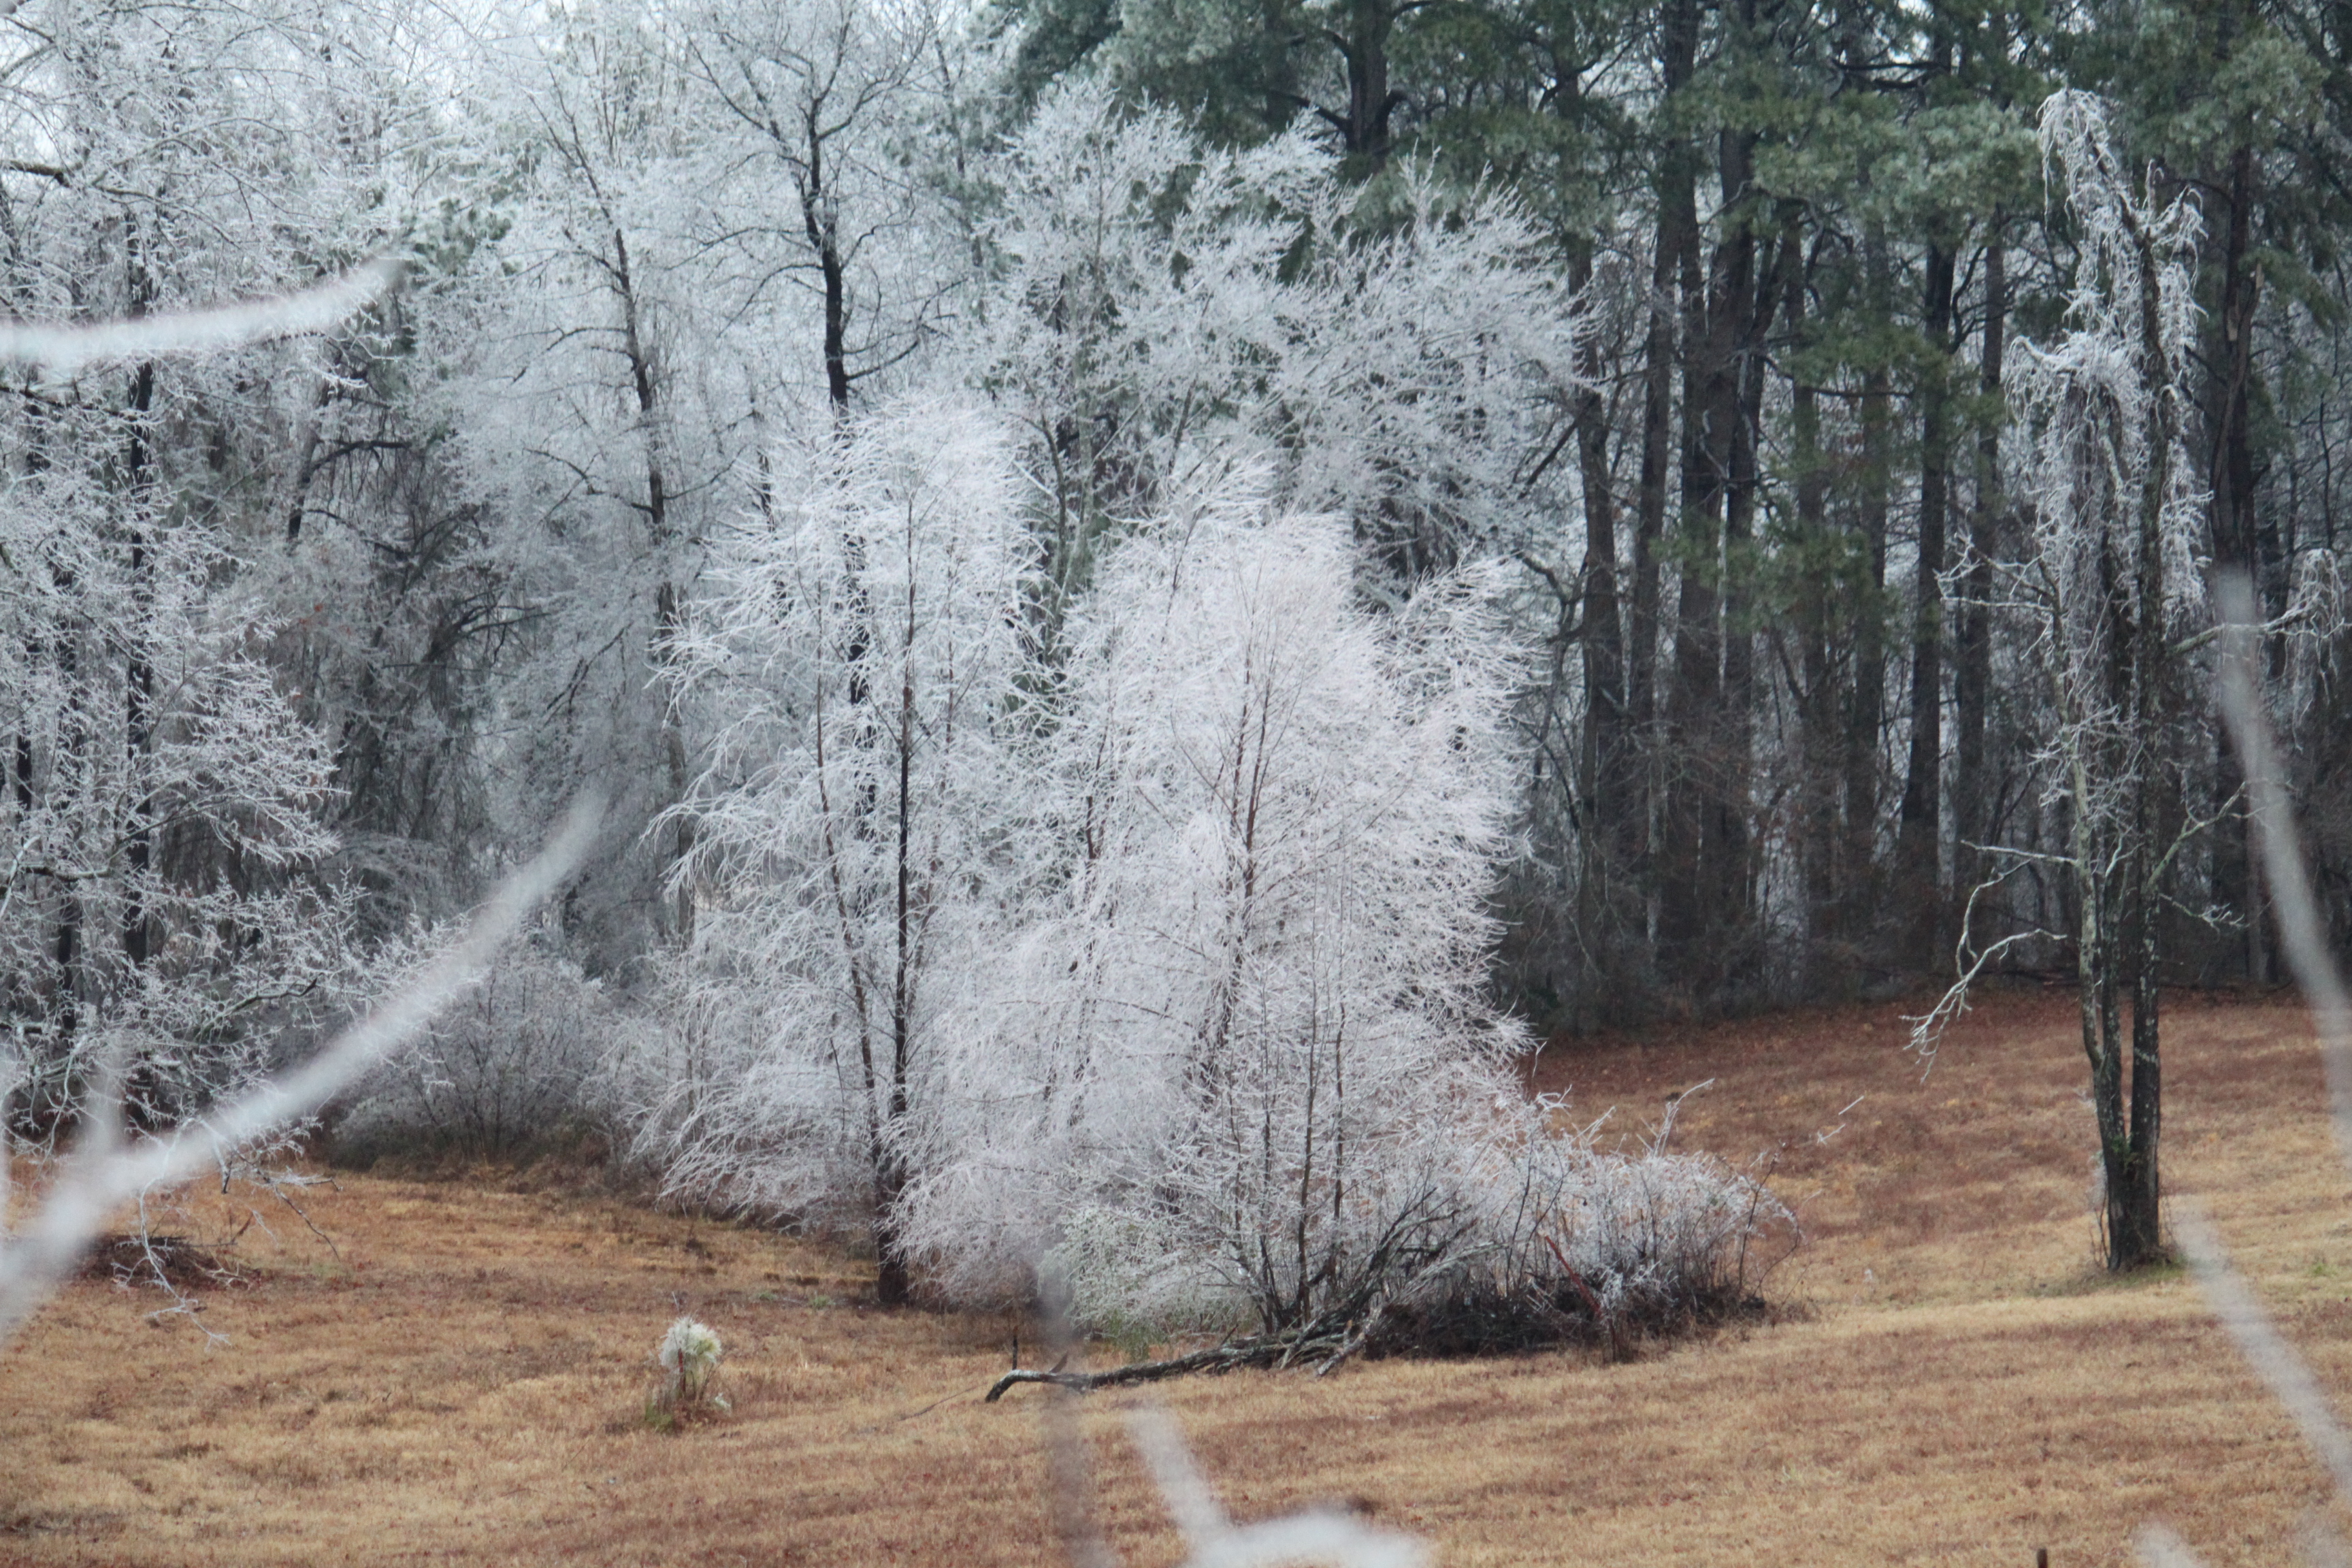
(689, 1358)
(1571, 1229)
(514, 1062)
(1252, 1016)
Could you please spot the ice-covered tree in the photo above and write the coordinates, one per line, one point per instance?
(1245, 1045)
(856, 823)
(165, 911)
(2104, 595)
(182, 184)
(1157, 311)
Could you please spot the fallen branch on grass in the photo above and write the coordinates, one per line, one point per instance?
(1333, 1341)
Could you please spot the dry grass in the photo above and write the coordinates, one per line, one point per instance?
(466, 1383)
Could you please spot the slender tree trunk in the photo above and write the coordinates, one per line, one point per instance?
(821, 221)
(1918, 844)
(2137, 1236)
(1604, 643)
(1733, 846)
(1674, 269)
(139, 676)
(1867, 710)
(1703, 734)
(891, 1281)
(1972, 655)
(2236, 543)
(668, 622)
(1816, 623)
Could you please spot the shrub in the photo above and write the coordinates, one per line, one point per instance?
(510, 1065)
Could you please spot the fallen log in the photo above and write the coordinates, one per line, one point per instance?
(1274, 1351)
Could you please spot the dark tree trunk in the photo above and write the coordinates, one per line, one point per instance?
(2236, 543)
(1972, 655)
(1674, 270)
(1867, 710)
(139, 672)
(1919, 843)
(1608, 784)
(821, 221)
(645, 380)
(2130, 1150)
(1817, 626)
(891, 1283)
(1363, 44)
(1703, 913)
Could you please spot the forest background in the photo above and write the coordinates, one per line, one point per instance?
(1621, 404)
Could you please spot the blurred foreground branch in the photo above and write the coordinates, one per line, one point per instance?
(105, 1171)
(2304, 937)
(62, 350)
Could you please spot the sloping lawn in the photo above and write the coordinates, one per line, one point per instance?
(1947, 1378)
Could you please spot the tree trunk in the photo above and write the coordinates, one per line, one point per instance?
(2122, 882)
(1732, 847)
(2236, 543)
(668, 622)
(1704, 736)
(2136, 1235)
(138, 673)
(1674, 269)
(1867, 710)
(1609, 788)
(1816, 626)
(1972, 655)
(1918, 844)
(1363, 46)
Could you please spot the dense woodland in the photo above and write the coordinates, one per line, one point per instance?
(1150, 583)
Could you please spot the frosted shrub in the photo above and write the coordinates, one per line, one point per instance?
(689, 1358)
(1571, 1238)
(514, 1063)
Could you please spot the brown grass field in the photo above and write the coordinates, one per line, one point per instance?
(1950, 1379)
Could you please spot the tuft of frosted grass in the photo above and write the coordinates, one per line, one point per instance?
(688, 1357)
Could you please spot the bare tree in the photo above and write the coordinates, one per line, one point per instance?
(834, 96)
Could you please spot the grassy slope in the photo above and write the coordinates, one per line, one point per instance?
(463, 1384)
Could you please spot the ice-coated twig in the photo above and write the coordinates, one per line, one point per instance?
(107, 1172)
(62, 350)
